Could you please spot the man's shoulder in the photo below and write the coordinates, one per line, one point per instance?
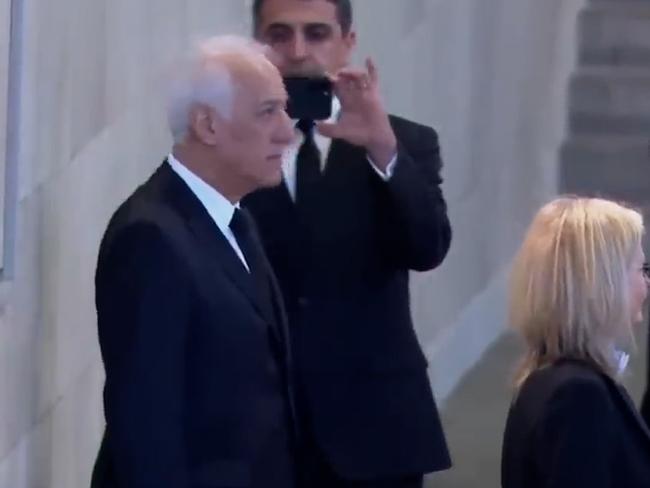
(145, 208)
(142, 204)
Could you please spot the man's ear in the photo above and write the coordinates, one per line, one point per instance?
(350, 40)
(205, 123)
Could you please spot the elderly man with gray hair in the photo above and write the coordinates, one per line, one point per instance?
(191, 325)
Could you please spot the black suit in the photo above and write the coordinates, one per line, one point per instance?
(645, 404)
(572, 426)
(196, 391)
(342, 260)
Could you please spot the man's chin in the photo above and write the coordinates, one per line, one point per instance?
(272, 181)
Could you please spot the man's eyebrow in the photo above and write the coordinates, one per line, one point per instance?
(318, 24)
(287, 25)
(272, 102)
(278, 26)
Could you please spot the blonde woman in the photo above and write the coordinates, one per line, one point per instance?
(578, 287)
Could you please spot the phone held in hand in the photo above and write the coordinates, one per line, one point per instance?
(309, 97)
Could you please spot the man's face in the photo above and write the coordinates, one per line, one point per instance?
(252, 141)
(305, 35)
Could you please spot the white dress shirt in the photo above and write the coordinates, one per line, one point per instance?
(621, 358)
(218, 206)
(289, 159)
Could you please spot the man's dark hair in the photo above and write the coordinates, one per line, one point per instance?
(343, 13)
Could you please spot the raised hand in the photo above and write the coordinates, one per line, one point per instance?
(363, 121)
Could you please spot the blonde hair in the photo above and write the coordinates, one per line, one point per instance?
(569, 294)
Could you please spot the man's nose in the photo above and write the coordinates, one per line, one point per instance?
(298, 48)
(286, 130)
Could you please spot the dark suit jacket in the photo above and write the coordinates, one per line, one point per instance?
(572, 426)
(343, 266)
(645, 404)
(196, 390)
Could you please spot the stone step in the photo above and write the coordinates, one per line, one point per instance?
(615, 32)
(610, 166)
(610, 100)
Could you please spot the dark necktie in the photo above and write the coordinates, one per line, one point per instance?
(308, 162)
(241, 226)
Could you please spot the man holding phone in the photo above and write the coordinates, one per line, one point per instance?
(360, 206)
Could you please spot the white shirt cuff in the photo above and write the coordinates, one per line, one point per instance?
(390, 169)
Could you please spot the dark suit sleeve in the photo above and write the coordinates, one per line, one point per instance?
(420, 209)
(575, 437)
(143, 313)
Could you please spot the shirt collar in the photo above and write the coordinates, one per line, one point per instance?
(621, 358)
(336, 110)
(218, 206)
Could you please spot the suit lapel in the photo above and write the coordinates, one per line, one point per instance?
(631, 409)
(343, 156)
(281, 197)
(618, 391)
(209, 235)
(285, 344)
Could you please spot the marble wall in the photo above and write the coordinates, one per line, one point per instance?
(5, 22)
(490, 76)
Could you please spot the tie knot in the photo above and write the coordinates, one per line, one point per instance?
(238, 223)
(305, 126)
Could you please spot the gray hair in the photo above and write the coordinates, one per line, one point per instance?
(206, 78)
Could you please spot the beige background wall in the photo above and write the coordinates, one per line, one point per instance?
(490, 76)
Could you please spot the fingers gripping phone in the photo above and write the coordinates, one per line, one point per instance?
(309, 97)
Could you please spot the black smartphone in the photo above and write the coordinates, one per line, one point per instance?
(309, 97)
